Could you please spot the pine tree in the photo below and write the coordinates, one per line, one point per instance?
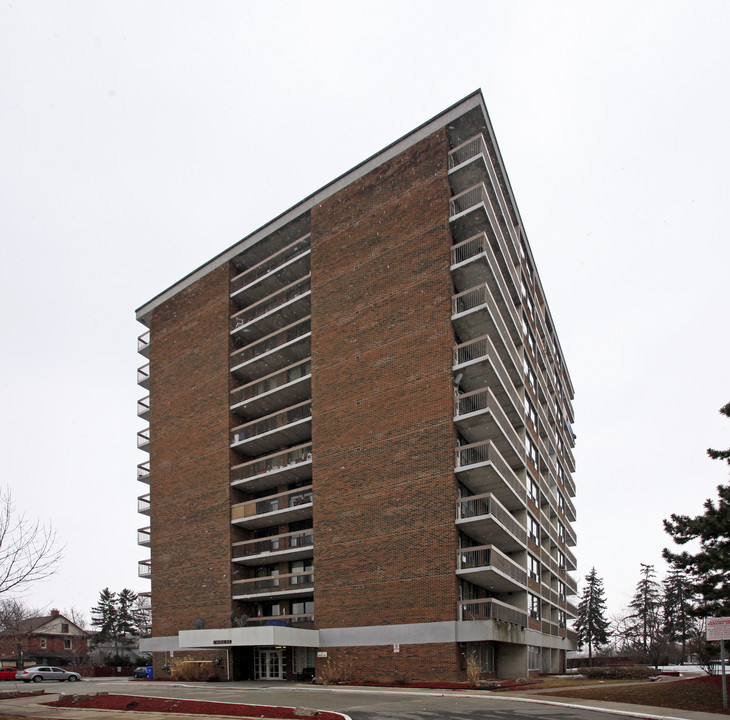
(708, 569)
(646, 605)
(677, 605)
(591, 624)
(117, 617)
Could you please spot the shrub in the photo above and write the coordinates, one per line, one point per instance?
(190, 669)
(333, 672)
(473, 671)
(618, 672)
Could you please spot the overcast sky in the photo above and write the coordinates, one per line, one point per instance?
(140, 138)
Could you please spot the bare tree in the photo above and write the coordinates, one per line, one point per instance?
(28, 550)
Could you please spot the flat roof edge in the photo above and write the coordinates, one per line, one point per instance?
(474, 99)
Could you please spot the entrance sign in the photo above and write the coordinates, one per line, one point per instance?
(718, 629)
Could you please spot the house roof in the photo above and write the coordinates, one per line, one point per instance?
(36, 624)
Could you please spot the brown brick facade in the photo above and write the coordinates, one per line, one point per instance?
(189, 455)
(384, 488)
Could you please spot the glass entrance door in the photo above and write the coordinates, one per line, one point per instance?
(269, 664)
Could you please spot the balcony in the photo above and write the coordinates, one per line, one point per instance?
(486, 520)
(271, 274)
(479, 416)
(144, 568)
(284, 466)
(144, 536)
(275, 391)
(279, 509)
(143, 408)
(481, 467)
(143, 439)
(275, 548)
(287, 585)
(474, 262)
(143, 504)
(287, 427)
(480, 365)
(490, 568)
(143, 344)
(491, 609)
(143, 376)
(475, 313)
(274, 352)
(143, 472)
(286, 306)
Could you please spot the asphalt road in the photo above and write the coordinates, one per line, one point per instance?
(366, 704)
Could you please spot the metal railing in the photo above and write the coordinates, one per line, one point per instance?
(143, 375)
(275, 421)
(271, 342)
(483, 399)
(475, 195)
(491, 609)
(270, 264)
(144, 536)
(467, 150)
(143, 471)
(274, 543)
(143, 342)
(485, 451)
(271, 303)
(271, 382)
(144, 568)
(143, 406)
(272, 463)
(486, 504)
(143, 503)
(489, 556)
(272, 503)
(275, 583)
(143, 438)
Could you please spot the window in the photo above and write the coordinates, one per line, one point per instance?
(44, 643)
(561, 590)
(531, 450)
(533, 606)
(303, 657)
(533, 568)
(561, 501)
(64, 627)
(561, 559)
(482, 653)
(561, 531)
(533, 657)
(529, 374)
(561, 619)
(531, 413)
(67, 643)
(302, 607)
(533, 530)
(533, 490)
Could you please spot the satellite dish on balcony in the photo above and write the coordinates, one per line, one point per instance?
(199, 624)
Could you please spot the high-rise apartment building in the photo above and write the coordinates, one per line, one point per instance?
(360, 442)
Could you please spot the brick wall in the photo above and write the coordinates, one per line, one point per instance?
(384, 487)
(190, 491)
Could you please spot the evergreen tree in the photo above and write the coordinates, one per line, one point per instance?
(591, 624)
(117, 617)
(708, 569)
(677, 606)
(646, 605)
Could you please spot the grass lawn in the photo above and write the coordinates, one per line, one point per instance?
(703, 693)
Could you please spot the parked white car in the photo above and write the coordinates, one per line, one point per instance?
(38, 673)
